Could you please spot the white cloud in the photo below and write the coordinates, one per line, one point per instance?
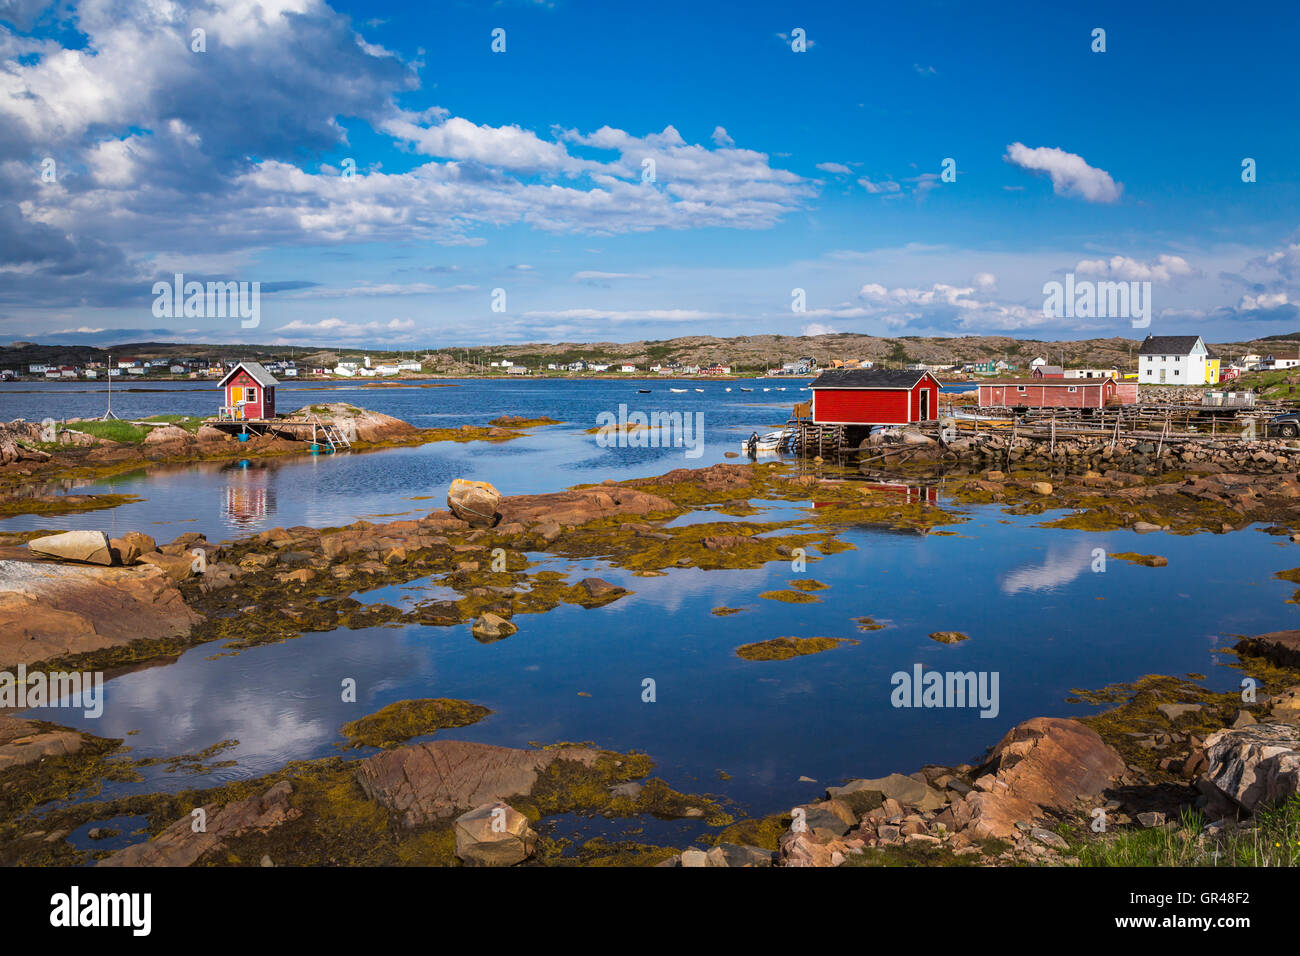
(1263, 301)
(1071, 175)
(720, 137)
(837, 169)
(588, 275)
(888, 186)
(985, 281)
(816, 328)
(1164, 268)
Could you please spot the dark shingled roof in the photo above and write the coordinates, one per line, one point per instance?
(1168, 344)
(867, 378)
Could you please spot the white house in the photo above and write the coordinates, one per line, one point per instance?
(1172, 360)
(1280, 360)
(1092, 373)
(1037, 363)
(627, 368)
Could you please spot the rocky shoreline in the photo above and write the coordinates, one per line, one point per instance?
(26, 456)
(1167, 745)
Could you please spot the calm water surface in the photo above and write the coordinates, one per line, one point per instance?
(1037, 614)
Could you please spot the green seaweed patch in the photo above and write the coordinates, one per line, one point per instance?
(407, 719)
(808, 584)
(194, 763)
(61, 504)
(785, 648)
(790, 597)
(868, 624)
(725, 611)
(1146, 560)
(949, 637)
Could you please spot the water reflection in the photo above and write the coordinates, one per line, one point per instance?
(249, 495)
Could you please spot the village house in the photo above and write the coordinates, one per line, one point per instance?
(1172, 360)
(1047, 371)
(1282, 359)
(1092, 373)
(249, 393)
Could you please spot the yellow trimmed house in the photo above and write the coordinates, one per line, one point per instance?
(1211, 367)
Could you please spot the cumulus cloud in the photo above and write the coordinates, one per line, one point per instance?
(1263, 302)
(158, 152)
(835, 169)
(1162, 269)
(1070, 173)
(336, 328)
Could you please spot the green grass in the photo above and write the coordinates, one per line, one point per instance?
(1270, 838)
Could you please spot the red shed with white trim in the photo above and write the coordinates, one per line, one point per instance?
(249, 393)
(874, 397)
(1048, 393)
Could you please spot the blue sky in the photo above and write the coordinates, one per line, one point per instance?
(523, 170)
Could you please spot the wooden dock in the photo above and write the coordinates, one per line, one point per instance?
(309, 428)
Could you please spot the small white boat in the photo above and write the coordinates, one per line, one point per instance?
(767, 390)
(679, 391)
(699, 389)
(766, 445)
(743, 389)
(728, 388)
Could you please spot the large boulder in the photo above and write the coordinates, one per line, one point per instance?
(474, 502)
(51, 610)
(494, 834)
(581, 505)
(437, 779)
(1044, 763)
(89, 547)
(1251, 767)
(165, 434)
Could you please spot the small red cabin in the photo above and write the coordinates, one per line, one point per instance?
(249, 393)
(874, 397)
(1048, 393)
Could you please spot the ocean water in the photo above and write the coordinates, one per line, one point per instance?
(1039, 616)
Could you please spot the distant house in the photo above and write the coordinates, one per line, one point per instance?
(249, 392)
(1047, 371)
(517, 370)
(1172, 360)
(627, 368)
(177, 369)
(1287, 358)
(136, 370)
(1091, 373)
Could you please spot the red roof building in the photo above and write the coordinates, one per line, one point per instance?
(249, 393)
(1048, 393)
(874, 397)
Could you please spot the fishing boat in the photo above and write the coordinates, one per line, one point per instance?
(644, 391)
(743, 389)
(768, 444)
(728, 388)
(679, 391)
(699, 389)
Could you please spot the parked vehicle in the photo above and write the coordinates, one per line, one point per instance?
(1287, 425)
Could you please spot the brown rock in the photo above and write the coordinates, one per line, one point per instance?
(475, 502)
(434, 780)
(48, 610)
(180, 845)
(494, 834)
(1042, 763)
(88, 547)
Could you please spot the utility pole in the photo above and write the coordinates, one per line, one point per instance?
(108, 414)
